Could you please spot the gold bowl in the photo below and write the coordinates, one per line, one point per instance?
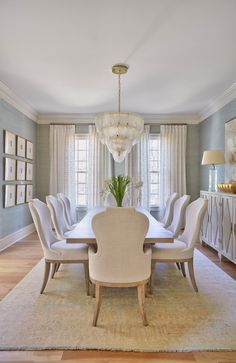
(227, 187)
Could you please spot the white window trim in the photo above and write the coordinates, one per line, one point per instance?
(154, 207)
(82, 206)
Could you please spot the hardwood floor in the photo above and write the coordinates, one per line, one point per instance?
(19, 259)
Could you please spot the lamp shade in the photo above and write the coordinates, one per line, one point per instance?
(213, 157)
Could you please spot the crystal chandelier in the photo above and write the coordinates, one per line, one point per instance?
(119, 130)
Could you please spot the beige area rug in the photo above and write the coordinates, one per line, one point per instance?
(180, 319)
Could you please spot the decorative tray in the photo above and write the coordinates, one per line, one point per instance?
(227, 187)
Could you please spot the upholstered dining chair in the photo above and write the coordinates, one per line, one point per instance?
(57, 215)
(120, 260)
(168, 216)
(182, 249)
(178, 221)
(56, 251)
(67, 210)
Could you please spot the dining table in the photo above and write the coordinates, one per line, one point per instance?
(83, 232)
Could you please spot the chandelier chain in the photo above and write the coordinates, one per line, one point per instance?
(119, 93)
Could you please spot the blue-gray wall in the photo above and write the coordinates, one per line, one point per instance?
(14, 218)
(43, 161)
(212, 137)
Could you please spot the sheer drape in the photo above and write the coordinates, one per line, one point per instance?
(136, 167)
(173, 161)
(99, 168)
(62, 161)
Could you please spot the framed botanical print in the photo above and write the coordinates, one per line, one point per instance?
(29, 171)
(20, 170)
(20, 194)
(20, 148)
(10, 169)
(9, 143)
(29, 192)
(29, 150)
(10, 195)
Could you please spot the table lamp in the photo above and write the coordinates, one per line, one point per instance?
(213, 157)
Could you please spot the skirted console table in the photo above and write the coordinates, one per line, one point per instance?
(219, 225)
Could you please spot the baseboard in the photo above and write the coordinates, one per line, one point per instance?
(9, 240)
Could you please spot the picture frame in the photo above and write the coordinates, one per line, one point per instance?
(29, 171)
(20, 148)
(20, 194)
(230, 151)
(9, 169)
(9, 143)
(20, 170)
(29, 150)
(10, 195)
(28, 193)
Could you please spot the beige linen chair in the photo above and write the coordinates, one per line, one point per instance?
(67, 210)
(182, 249)
(55, 251)
(120, 260)
(168, 216)
(178, 221)
(57, 215)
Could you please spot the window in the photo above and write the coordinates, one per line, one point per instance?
(81, 169)
(154, 169)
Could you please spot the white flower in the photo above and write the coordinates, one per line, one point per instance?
(138, 184)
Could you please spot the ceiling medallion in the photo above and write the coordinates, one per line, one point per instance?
(119, 130)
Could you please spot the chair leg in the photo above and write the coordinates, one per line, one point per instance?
(191, 274)
(54, 269)
(183, 269)
(58, 266)
(46, 275)
(98, 291)
(153, 265)
(178, 265)
(86, 275)
(141, 300)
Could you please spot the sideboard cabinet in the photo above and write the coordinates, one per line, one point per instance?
(219, 224)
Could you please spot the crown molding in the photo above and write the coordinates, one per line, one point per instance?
(10, 97)
(45, 119)
(219, 102)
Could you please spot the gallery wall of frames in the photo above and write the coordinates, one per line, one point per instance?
(18, 169)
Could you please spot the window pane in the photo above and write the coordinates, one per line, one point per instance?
(82, 177)
(154, 178)
(82, 166)
(154, 154)
(82, 155)
(153, 143)
(154, 199)
(82, 188)
(153, 166)
(154, 188)
(82, 145)
(82, 200)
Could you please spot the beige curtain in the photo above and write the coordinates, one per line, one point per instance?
(100, 169)
(173, 161)
(136, 167)
(62, 161)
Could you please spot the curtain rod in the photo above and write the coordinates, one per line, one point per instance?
(69, 124)
(169, 124)
(92, 124)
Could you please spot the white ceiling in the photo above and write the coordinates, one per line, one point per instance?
(57, 54)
